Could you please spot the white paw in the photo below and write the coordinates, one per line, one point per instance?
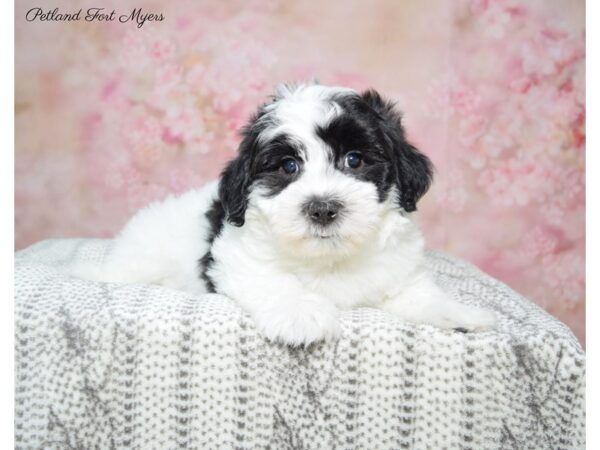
(480, 319)
(306, 321)
(467, 318)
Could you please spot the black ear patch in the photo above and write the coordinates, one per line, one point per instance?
(414, 174)
(413, 171)
(235, 183)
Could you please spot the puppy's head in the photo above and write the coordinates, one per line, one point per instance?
(320, 167)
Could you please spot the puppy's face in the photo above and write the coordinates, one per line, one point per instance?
(319, 168)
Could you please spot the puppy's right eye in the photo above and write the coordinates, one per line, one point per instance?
(289, 166)
(354, 160)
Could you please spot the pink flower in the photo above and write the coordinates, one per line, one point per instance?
(539, 241)
(471, 128)
(478, 6)
(565, 274)
(453, 196)
(184, 123)
(449, 95)
(496, 22)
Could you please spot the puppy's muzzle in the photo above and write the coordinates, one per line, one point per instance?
(322, 211)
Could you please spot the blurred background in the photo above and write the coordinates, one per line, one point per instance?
(110, 116)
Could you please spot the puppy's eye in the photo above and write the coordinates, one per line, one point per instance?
(289, 165)
(353, 160)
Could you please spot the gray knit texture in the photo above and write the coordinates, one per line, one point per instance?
(108, 366)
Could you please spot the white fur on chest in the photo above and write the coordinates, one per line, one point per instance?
(370, 276)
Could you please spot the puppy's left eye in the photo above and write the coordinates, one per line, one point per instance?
(353, 160)
(289, 166)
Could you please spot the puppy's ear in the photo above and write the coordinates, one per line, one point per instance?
(235, 183)
(414, 174)
(413, 171)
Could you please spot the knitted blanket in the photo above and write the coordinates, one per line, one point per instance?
(107, 366)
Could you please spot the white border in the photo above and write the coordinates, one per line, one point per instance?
(7, 222)
(592, 220)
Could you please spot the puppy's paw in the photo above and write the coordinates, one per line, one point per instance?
(461, 318)
(475, 319)
(441, 311)
(424, 302)
(302, 323)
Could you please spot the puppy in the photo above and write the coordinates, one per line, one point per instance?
(312, 216)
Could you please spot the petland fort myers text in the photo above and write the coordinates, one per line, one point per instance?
(137, 16)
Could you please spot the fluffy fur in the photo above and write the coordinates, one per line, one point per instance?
(313, 216)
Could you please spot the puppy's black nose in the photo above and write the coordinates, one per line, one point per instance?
(322, 212)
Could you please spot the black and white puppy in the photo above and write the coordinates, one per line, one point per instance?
(313, 216)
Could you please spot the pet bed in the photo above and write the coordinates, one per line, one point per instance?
(112, 366)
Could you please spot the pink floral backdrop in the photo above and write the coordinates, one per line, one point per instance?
(110, 116)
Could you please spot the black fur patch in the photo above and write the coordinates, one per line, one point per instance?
(267, 169)
(412, 170)
(372, 126)
(205, 263)
(216, 217)
(358, 131)
(237, 177)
